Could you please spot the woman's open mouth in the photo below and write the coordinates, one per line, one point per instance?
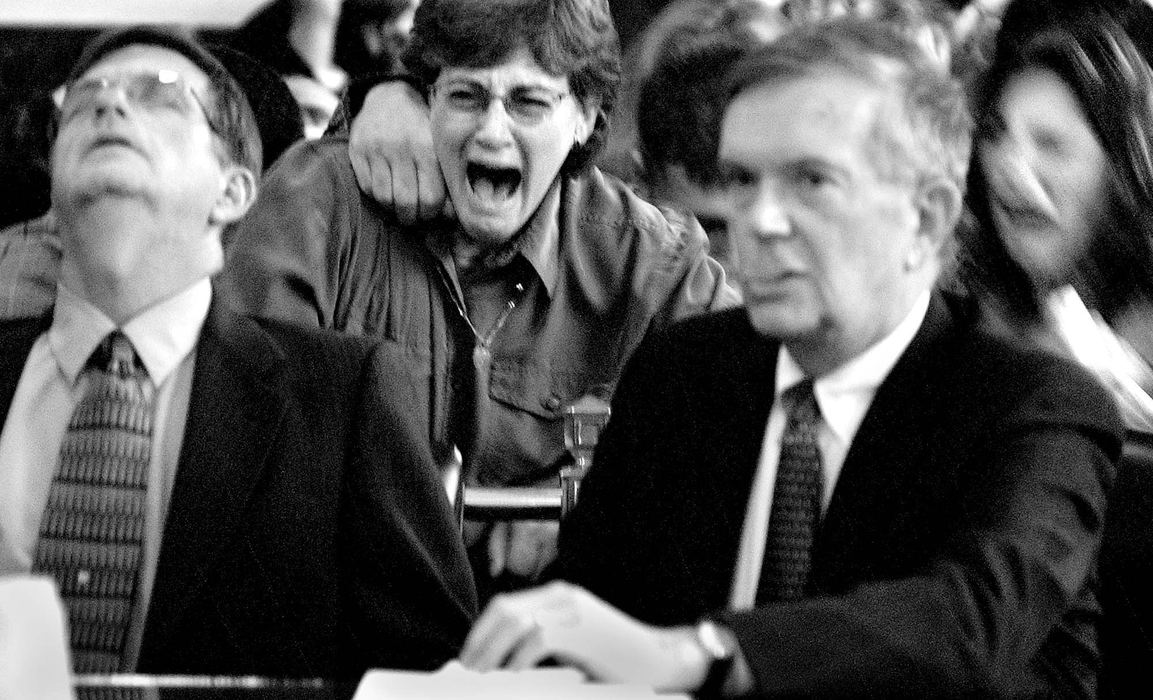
(491, 183)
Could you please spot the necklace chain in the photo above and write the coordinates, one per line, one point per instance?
(482, 351)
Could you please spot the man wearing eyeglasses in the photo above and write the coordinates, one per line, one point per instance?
(212, 494)
(539, 286)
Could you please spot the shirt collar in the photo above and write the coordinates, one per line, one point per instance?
(163, 334)
(861, 375)
(538, 243)
(542, 245)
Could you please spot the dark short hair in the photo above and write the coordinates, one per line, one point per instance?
(229, 112)
(925, 129)
(1095, 54)
(680, 107)
(571, 38)
(676, 63)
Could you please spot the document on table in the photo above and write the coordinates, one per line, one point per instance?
(454, 682)
(33, 650)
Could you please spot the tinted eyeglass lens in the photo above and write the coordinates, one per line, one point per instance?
(162, 90)
(525, 105)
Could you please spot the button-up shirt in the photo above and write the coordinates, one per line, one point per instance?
(844, 396)
(50, 387)
(598, 268)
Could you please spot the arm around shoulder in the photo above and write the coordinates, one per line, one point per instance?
(698, 281)
(283, 260)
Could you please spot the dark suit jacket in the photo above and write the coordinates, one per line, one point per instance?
(957, 556)
(1127, 574)
(308, 534)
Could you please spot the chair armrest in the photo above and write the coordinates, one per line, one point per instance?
(489, 504)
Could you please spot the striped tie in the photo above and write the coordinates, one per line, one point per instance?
(796, 500)
(93, 527)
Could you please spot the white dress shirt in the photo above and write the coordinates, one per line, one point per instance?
(844, 396)
(50, 387)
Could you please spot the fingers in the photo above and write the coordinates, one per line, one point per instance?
(413, 189)
(506, 626)
(565, 622)
(432, 198)
(531, 547)
(405, 190)
(530, 653)
(497, 549)
(391, 150)
(372, 173)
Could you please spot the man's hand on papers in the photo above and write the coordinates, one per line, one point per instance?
(566, 623)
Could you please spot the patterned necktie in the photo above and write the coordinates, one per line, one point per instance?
(796, 500)
(93, 527)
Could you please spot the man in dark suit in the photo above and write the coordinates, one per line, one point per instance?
(847, 488)
(270, 509)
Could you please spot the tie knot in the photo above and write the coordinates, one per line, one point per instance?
(115, 355)
(802, 402)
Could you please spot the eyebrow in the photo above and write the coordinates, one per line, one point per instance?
(473, 82)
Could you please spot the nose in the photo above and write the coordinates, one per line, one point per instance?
(110, 98)
(764, 214)
(1009, 170)
(495, 125)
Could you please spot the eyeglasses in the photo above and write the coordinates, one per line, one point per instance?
(526, 105)
(159, 91)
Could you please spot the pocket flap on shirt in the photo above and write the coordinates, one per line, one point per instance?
(541, 390)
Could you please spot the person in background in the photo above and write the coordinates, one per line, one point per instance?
(681, 27)
(680, 107)
(372, 34)
(1060, 246)
(533, 294)
(297, 39)
(847, 488)
(213, 494)
(664, 138)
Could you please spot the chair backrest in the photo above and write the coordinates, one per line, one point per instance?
(584, 419)
(1127, 573)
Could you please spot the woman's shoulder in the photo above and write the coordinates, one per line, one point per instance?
(601, 204)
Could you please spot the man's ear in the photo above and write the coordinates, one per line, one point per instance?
(938, 208)
(236, 195)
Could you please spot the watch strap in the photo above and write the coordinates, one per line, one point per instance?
(720, 645)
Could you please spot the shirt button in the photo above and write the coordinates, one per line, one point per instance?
(552, 403)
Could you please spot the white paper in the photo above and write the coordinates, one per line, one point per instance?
(454, 682)
(33, 651)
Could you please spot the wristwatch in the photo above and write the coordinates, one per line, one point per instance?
(720, 646)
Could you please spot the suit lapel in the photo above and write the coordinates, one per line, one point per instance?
(16, 340)
(739, 395)
(891, 446)
(233, 418)
(752, 377)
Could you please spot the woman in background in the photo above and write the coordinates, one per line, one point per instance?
(1061, 192)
